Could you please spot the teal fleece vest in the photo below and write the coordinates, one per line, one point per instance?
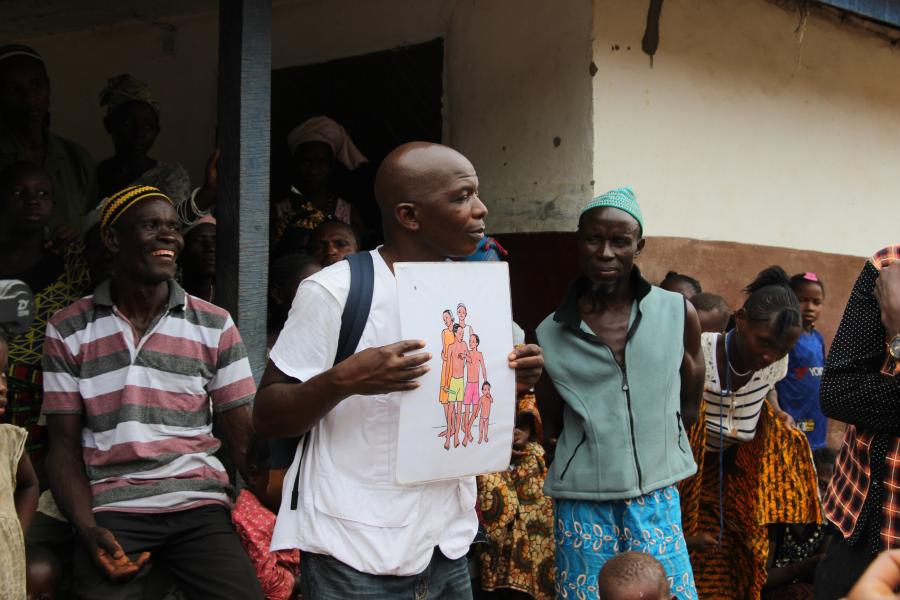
(622, 433)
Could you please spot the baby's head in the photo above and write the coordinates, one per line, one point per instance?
(42, 573)
(633, 576)
(713, 312)
(486, 389)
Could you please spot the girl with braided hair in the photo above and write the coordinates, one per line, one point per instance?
(753, 470)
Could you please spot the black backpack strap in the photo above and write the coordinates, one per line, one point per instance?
(359, 301)
(353, 322)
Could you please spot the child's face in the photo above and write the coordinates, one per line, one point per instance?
(41, 580)
(29, 201)
(486, 390)
(759, 341)
(448, 319)
(521, 435)
(4, 353)
(811, 298)
(473, 343)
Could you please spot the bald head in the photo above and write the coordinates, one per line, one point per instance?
(633, 575)
(414, 171)
(429, 202)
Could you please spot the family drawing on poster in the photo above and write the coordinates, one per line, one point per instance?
(460, 394)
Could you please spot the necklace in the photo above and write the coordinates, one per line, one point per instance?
(730, 366)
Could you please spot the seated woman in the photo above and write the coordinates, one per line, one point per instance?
(317, 147)
(752, 470)
(132, 120)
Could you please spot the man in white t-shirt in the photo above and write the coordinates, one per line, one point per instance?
(353, 523)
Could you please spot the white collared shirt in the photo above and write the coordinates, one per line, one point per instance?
(350, 506)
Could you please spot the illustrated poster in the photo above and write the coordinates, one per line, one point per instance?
(459, 422)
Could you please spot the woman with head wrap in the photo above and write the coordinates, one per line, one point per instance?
(132, 120)
(317, 146)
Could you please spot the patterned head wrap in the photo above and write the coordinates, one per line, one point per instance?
(116, 205)
(621, 198)
(12, 50)
(125, 88)
(328, 131)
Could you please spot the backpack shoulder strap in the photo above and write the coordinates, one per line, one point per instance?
(359, 302)
(353, 322)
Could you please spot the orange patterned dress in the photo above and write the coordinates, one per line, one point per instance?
(770, 480)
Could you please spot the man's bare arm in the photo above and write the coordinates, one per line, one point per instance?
(27, 491)
(72, 492)
(287, 407)
(237, 427)
(65, 470)
(693, 368)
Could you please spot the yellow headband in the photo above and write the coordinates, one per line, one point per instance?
(116, 205)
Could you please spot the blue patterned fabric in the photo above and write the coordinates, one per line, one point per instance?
(590, 533)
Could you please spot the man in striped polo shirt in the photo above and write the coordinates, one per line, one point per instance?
(134, 376)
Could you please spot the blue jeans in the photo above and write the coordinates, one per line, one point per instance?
(590, 533)
(326, 578)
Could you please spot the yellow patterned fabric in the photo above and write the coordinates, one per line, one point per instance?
(768, 480)
(12, 544)
(26, 350)
(519, 521)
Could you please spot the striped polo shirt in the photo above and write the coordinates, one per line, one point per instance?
(734, 416)
(147, 432)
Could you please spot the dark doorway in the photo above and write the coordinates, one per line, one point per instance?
(382, 99)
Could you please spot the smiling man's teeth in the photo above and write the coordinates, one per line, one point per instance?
(163, 253)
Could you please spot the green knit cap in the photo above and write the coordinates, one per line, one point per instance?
(622, 198)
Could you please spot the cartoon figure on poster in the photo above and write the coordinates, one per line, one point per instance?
(469, 369)
(462, 400)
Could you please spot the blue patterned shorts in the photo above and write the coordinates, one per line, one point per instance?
(590, 533)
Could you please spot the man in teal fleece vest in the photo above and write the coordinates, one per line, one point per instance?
(625, 358)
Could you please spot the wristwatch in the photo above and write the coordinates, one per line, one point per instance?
(893, 347)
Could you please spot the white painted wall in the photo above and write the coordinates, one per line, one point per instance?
(519, 76)
(741, 133)
(516, 76)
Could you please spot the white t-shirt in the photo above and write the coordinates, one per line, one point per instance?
(738, 413)
(350, 506)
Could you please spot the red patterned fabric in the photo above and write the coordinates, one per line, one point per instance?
(276, 571)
